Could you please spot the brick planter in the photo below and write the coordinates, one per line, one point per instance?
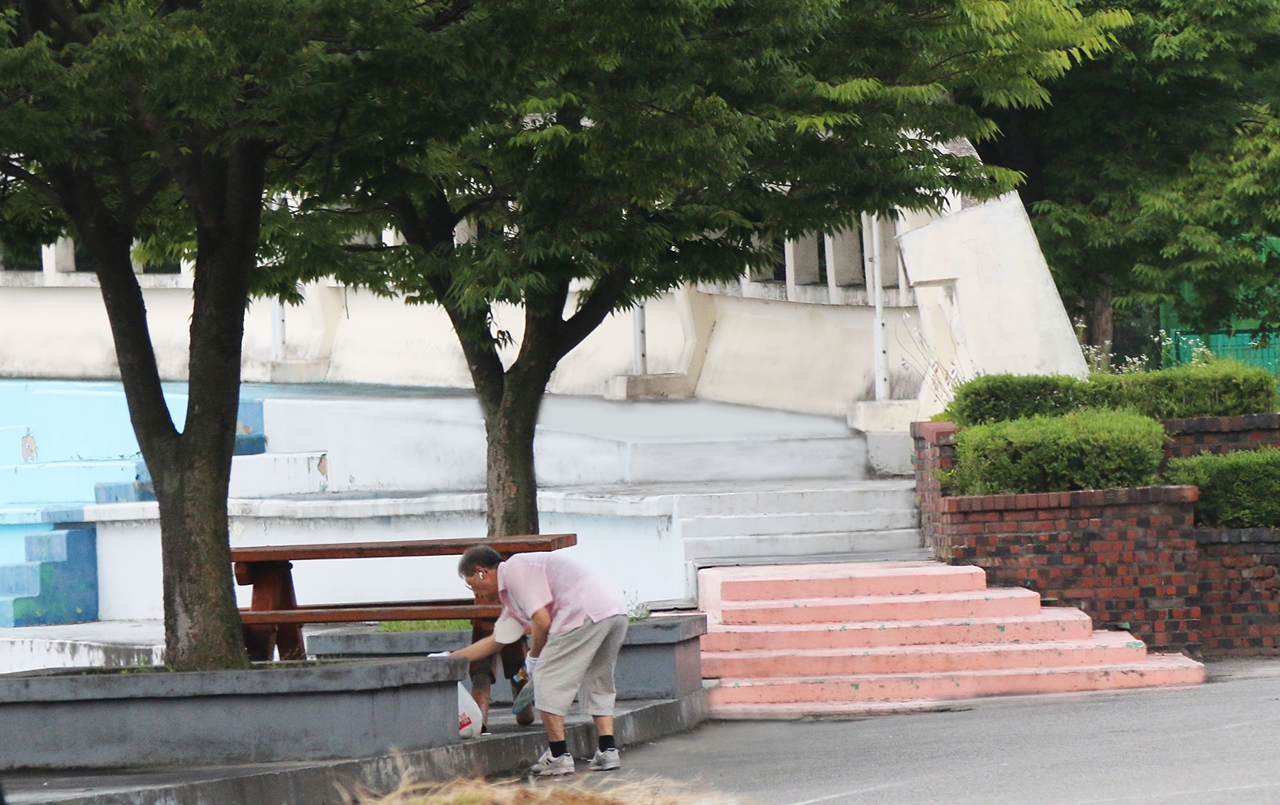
(1122, 555)
(1127, 557)
(1220, 434)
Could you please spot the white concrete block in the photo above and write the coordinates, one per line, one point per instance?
(747, 459)
(114, 645)
(890, 453)
(270, 474)
(884, 416)
(130, 575)
(791, 545)
(751, 525)
(1002, 309)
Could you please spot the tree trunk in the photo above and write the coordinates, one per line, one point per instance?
(191, 470)
(509, 397)
(511, 484)
(1101, 326)
(201, 625)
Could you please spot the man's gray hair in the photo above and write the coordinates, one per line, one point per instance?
(478, 556)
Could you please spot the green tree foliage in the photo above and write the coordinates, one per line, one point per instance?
(1150, 176)
(124, 120)
(611, 150)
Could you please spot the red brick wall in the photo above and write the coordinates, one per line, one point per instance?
(935, 449)
(1127, 557)
(1239, 590)
(1221, 434)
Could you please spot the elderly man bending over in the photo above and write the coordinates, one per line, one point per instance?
(576, 622)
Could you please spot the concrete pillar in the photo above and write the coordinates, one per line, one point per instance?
(844, 259)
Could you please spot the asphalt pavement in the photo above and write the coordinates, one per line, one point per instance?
(1208, 744)
(1211, 744)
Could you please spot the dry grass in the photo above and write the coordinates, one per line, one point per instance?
(545, 792)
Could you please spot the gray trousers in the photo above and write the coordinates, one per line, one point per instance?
(580, 658)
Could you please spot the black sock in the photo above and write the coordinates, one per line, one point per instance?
(559, 748)
(606, 743)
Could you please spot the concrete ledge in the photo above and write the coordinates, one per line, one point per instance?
(105, 720)
(326, 783)
(102, 644)
(660, 659)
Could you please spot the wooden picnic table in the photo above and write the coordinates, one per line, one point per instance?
(274, 620)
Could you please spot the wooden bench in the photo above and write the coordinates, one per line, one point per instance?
(274, 619)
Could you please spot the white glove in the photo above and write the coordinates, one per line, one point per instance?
(530, 662)
(439, 654)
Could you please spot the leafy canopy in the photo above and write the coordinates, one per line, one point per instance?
(1150, 175)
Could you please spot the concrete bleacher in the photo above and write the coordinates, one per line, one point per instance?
(654, 490)
(68, 444)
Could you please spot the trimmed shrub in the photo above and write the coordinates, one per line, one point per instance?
(1000, 398)
(1237, 490)
(1080, 450)
(1216, 388)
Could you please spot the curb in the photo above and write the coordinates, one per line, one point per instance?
(335, 782)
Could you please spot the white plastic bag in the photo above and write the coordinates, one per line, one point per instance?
(469, 717)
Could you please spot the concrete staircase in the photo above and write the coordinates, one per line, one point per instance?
(831, 639)
(838, 516)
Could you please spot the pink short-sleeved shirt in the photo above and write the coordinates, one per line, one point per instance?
(527, 582)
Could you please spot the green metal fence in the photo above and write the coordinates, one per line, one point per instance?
(1245, 346)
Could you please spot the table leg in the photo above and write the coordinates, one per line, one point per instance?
(272, 590)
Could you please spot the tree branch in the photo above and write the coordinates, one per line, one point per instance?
(68, 20)
(40, 185)
(600, 302)
(170, 155)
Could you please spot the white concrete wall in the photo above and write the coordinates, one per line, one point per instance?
(986, 304)
(992, 302)
(63, 332)
(382, 340)
(638, 554)
(799, 357)
(438, 444)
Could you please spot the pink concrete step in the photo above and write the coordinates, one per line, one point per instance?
(841, 580)
(930, 606)
(1053, 623)
(1155, 670)
(1102, 648)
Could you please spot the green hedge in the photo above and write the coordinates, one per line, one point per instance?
(1216, 388)
(1237, 490)
(1000, 398)
(1080, 450)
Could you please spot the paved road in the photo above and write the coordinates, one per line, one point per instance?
(1209, 744)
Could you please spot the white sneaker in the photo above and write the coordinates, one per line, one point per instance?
(548, 766)
(605, 761)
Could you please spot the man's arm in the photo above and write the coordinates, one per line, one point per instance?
(541, 621)
(478, 650)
